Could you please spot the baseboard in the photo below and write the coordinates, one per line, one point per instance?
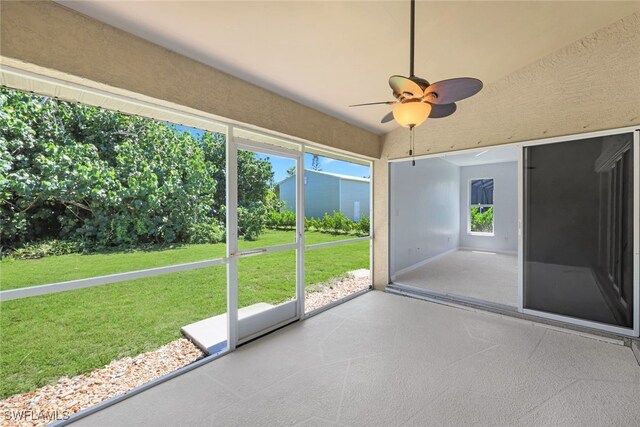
(421, 263)
(466, 248)
(394, 276)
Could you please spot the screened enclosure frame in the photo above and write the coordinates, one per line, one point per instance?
(635, 131)
(16, 78)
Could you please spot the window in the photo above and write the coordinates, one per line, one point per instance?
(481, 206)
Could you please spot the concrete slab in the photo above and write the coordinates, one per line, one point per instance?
(385, 360)
(210, 335)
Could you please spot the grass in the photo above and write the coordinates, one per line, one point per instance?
(74, 332)
(22, 273)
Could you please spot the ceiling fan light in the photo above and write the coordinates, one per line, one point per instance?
(411, 113)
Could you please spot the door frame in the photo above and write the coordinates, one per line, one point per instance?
(635, 130)
(632, 332)
(284, 313)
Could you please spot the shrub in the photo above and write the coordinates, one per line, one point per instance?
(326, 223)
(336, 223)
(281, 220)
(341, 223)
(212, 232)
(363, 226)
(252, 220)
(47, 248)
(79, 173)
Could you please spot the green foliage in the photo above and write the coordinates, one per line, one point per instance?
(211, 232)
(47, 248)
(337, 223)
(252, 219)
(106, 180)
(363, 226)
(281, 220)
(481, 222)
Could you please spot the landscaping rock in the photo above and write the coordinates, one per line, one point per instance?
(322, 294)
(70, 395)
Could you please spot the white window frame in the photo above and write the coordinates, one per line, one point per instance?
(469, 206)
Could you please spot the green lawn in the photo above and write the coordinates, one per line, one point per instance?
(74, 332)
(22, 273)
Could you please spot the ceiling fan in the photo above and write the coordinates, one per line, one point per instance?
(417, 99)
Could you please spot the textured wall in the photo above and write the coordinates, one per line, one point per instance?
(380, 224)
(589, 85)
(54, 37)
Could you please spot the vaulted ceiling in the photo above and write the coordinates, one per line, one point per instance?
(329, 54)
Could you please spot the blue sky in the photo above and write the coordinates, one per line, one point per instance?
(327, 164)
(280, 165)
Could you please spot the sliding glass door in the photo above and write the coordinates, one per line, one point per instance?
(562, 245)
(578, 216)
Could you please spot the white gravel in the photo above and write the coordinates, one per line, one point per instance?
(322, 294)
(70, 395)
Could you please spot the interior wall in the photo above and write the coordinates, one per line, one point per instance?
(505, 199)
(45, 34)
(583, 87)
(425, 205)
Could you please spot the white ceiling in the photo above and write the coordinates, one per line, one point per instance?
(508, 153)
(329, 54)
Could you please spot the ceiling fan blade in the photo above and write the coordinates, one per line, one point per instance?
(452, 90)
(373, 103)
(387, 118)
(442, 110)
(405, 87)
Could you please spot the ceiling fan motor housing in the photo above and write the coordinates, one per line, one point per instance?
(420, 81)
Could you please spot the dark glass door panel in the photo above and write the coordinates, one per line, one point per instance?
(578, 241)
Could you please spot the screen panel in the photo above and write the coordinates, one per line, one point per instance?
(578, 216)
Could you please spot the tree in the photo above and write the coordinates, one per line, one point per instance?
(75, 172)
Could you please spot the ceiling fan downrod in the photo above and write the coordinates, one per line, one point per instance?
(416, 99)
(413, 29)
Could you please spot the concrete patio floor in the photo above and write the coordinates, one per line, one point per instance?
(386, 360)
